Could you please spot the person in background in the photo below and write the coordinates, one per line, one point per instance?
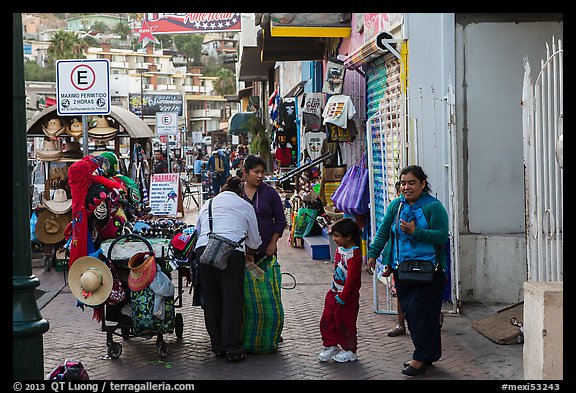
(222, 290)
(400, 327)
(198, 163)
(342, 302)
(219, 168)
(415, 226)
(160, 164)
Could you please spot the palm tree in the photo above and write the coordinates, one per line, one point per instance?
(123, 30)
(226, 82)
(66, 45)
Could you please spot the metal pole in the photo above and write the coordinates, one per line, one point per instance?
(27, 323)
(141, 96)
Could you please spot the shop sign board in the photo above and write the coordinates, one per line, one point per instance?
(166, 123)
(83, 87)
(164, 192)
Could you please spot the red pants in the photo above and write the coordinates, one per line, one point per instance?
(338, 322)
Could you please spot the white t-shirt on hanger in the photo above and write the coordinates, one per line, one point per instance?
(339, 109)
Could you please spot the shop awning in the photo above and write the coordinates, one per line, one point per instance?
(252, 67)
(127, 122)
(237, 124)
(290, 48)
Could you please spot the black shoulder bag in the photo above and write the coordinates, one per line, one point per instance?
(219, 248)
(413, 271)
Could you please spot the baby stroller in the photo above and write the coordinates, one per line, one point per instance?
(143, 320)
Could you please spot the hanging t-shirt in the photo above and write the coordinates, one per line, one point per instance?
(312, 106)
(288, 113)
(314, 141)
(284, 156)
(339, 109)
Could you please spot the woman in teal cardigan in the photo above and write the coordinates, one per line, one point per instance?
(422, 234)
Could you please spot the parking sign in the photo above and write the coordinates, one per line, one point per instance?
(83, 87)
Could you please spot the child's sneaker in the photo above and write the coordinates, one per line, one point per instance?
(328, 352)
(345, 356)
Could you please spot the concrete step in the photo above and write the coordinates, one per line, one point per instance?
(318, 247)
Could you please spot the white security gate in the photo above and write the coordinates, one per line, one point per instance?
(392, 139)
(542, 113)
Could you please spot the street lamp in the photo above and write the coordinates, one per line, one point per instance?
(141, 70)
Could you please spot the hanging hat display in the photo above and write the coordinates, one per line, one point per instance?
(53, 128)
(90, 280)
(142, 270)
(72, 150)
(102, 131)
(49, 152)
(59, 204)
(50, 226)
(75, 129)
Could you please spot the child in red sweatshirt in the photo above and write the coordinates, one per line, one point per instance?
(342, 302)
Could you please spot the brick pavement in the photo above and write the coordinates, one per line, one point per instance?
(466, 354)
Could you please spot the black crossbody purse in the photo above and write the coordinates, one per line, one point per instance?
(219, 248)
(413, 271)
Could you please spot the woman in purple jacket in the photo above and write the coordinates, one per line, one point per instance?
(267, 204)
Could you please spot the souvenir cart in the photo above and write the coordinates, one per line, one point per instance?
(142, 263)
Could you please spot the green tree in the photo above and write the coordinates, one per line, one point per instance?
(66, 45)
(99, 27)
(190, 45)
(123, 30)
(33, 72)
(225, 83)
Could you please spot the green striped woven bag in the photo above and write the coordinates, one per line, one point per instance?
(263, 310)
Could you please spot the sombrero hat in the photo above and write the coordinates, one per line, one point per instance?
(72, 150)
(75, 129)
(102, 131)
(49, 152)
(50, 226)
(53, 128)
(59, 203)
(142, 270)
(90, 280)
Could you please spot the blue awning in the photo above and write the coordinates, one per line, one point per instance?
(237, 124)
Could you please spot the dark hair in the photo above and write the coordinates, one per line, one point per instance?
(233, 184)
(347, 227)
(251, 161)
(418, 172)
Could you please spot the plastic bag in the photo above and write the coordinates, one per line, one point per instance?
(162, 287)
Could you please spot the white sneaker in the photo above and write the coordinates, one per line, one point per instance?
(328, 352)
(345, 356)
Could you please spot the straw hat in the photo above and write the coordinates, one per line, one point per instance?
(53, 128)
(50, 226)
(72, 150)
(59, 203)
(102, 131)
(332, 213)
(49, 152)
(90, 280)
(142, 270)
(75, 129)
